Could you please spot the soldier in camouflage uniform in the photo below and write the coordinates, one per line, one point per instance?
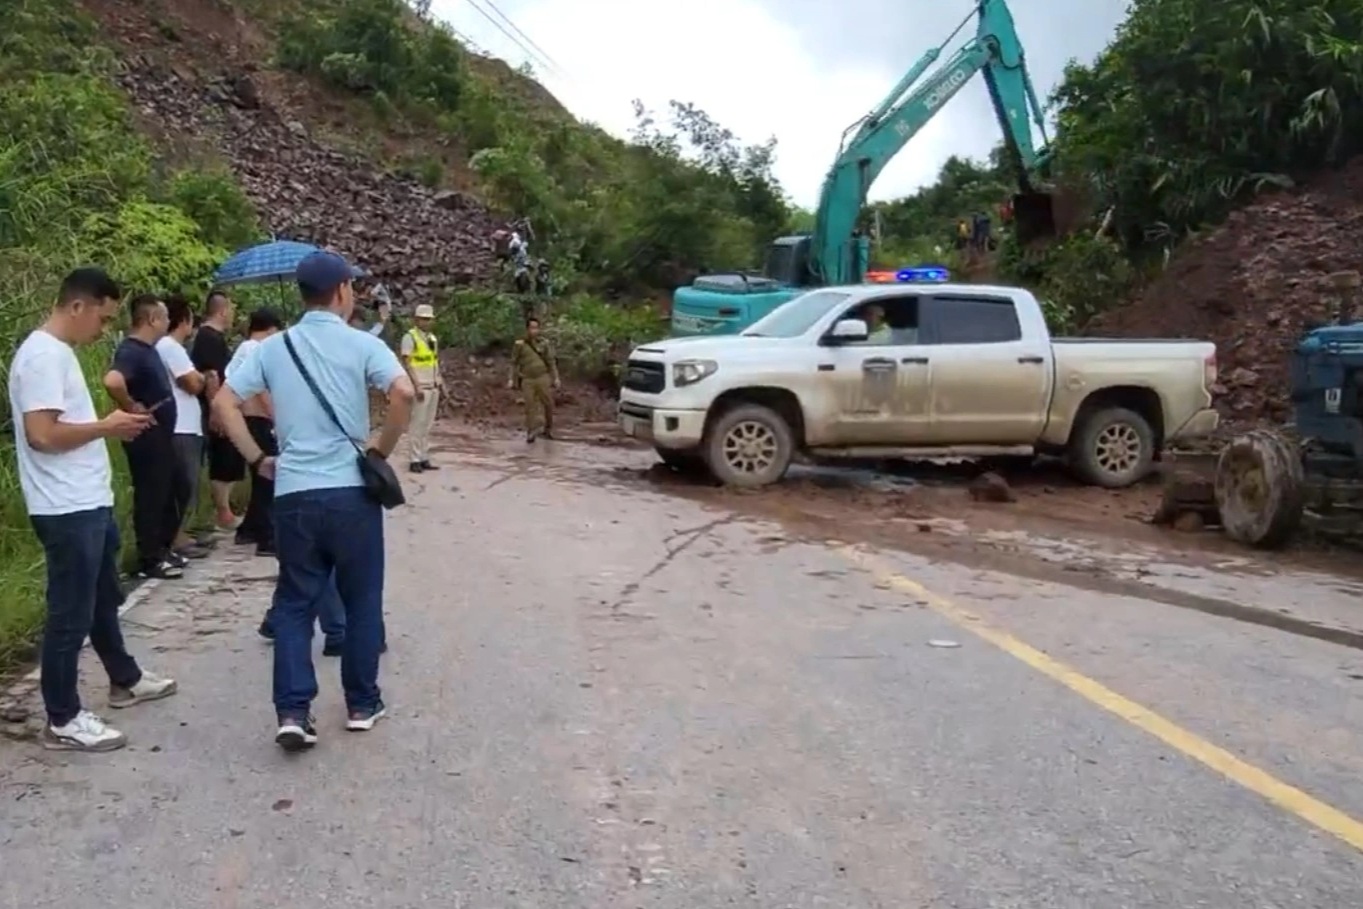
(535, 371)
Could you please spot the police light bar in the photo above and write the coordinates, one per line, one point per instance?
(926, 275)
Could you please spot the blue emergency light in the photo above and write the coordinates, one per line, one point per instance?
(931, 274)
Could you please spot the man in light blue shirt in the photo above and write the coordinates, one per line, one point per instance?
(325, 520)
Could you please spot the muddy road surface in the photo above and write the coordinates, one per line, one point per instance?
(611, 688)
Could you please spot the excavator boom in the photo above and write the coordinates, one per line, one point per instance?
(838, 255)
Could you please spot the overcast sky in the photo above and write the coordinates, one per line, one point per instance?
(801, 70)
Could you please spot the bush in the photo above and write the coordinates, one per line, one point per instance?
(367, 46)
(592, 337)
(151, 247)
(215, 203)
(1078, 276)
(589, 335)
(76, 187)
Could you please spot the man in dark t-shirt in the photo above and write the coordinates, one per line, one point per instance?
(210, 356)
(139, 383)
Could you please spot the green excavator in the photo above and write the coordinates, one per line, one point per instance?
(837, 252)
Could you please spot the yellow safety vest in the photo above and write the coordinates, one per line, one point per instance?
(423, 354)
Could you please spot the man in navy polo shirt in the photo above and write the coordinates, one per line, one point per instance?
(325, 521)
(139, 383)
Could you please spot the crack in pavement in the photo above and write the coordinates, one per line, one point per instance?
(691, 534)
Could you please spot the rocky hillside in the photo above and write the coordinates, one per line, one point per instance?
(1253, 285)
(192, 73)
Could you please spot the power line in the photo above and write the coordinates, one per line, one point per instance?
(513, 39)
(531, 41)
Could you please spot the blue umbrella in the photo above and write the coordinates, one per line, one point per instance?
(272, 261)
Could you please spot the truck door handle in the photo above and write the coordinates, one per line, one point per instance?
(878, 363)
(916, 361)
(1031, 359)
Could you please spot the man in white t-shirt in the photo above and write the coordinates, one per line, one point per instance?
(66, 479)
(187, 383)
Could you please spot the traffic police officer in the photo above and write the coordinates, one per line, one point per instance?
(422, 362)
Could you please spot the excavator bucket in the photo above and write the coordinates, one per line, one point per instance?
(1034, 217)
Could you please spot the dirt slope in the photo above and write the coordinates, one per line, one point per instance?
(193, 71)
(1252, 285)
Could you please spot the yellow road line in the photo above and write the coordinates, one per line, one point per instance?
(1289, 798)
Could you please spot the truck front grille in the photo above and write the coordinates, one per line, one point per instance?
(645, 376)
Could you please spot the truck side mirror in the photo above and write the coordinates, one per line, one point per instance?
(848, 331)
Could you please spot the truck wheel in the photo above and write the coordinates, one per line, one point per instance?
(1259, 489)
(685, 462)
(1113, 447)
(749, 446)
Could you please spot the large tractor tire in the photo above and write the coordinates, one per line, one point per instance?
(1259, 489)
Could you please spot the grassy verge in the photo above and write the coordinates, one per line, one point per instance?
(78, 185)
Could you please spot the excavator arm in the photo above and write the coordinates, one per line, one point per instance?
(838, 255)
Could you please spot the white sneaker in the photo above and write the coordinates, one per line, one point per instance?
(86, 732)
(151, 687)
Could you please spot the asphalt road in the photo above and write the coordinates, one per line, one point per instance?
(605, 697)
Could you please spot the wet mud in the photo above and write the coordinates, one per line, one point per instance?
(1054, 529)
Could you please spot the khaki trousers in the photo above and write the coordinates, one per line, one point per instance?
(423, 418)
(539, 404)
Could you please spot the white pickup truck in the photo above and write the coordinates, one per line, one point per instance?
(914, 372)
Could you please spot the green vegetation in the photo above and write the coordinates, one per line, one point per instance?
(683, 195)
(77, 185)
(1189, 111)
(590, 337)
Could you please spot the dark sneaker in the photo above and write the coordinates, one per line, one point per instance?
(296, 733)
(164, 571)
(427, 465)
(415, 467)
(194, 551)
(363, 720)
(179, 561)
(244, 539)
(332, 648)
(266, 550)
(266, 630)
(530, 438)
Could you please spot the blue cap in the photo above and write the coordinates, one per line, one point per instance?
(320, 273)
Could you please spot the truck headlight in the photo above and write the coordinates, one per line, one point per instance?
(689, 372)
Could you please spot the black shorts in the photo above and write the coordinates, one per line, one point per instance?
(225, 463)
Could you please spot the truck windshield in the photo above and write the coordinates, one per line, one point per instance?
(790, 320)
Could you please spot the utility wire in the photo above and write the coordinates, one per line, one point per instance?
(531, 41)
(513, 39)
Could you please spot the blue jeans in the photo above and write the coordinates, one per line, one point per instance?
(83, 597)
(330, 613)
(321, 534)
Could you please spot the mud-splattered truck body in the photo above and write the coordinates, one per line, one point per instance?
(945, 371)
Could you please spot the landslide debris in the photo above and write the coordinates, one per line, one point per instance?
(1253, 285)
(194, 72)
(418, 241)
